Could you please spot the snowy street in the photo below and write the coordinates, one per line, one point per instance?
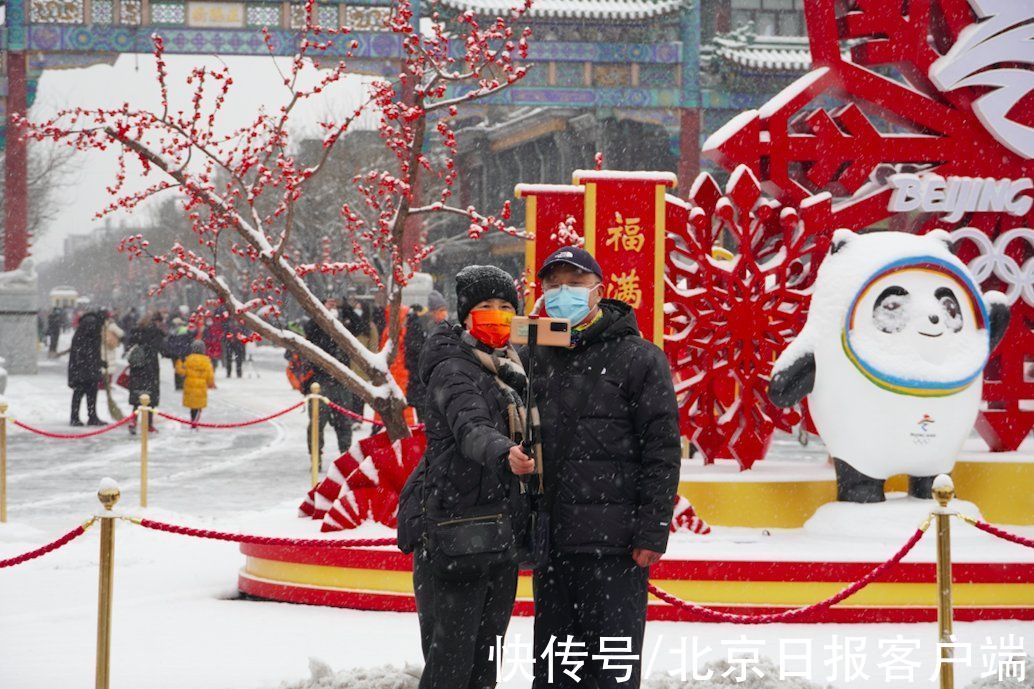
(178, 620)
(681, 319)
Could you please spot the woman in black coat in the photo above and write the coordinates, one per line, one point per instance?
(145, 345)
(470, 492)
(84, 367)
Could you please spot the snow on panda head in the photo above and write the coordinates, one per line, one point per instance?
(906, 311)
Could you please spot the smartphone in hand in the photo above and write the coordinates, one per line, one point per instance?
(552, 332)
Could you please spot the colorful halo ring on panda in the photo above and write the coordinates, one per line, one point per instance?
(963, 319)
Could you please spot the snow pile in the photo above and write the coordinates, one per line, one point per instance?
(725, 675)
(888, 522)
(383, 677)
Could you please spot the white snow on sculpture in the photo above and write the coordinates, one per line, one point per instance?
(900, 336)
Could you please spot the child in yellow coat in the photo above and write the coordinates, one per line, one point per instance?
(198, 377)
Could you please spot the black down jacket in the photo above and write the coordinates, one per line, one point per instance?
(612, 470)
(468, 437)
(84, 358)
(316, 335)
(146, 376)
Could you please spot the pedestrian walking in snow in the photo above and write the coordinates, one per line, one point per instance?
(111, 339)
(198, 376)
(146, 345)
(329, 386)
(465, 493)
(86, 367)
(419, 324)
(358, 319)
(233, 348)
(610, 455)
(213, 337)
(177, 346)
(55, 321)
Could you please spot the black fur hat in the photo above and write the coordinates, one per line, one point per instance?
(475, 284)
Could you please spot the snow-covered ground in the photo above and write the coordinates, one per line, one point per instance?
(178, 620)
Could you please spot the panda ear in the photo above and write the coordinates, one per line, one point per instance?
(943, 237)
(998, 316)
(841, 238)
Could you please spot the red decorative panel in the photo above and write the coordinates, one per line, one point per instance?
(950, 101)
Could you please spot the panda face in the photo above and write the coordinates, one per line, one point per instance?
(917, 323)
(896, 307)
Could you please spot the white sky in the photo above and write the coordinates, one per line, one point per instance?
(132, 79)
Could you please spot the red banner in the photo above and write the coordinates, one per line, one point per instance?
(549, 209)
(625, 220)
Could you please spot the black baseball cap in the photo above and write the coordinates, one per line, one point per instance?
(574, 256)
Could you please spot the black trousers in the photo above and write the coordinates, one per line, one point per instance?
(90, 393)
(356, 405)
(459, 622)
(342, 425)
(587, 597)
(234, 352)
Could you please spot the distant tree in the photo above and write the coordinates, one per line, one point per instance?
(51, 170)
(249, 184)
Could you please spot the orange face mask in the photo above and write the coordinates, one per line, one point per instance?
(491, 326)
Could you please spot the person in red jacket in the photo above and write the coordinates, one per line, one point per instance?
(213, 338)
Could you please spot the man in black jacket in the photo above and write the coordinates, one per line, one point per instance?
(329, 386)
(419, 324)
(611, 454)
(54, 323)
(85, 367)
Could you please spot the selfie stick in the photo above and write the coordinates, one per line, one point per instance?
(528, 444)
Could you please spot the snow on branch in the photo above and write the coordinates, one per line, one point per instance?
(240, 188)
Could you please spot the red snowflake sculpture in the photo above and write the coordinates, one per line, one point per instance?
(365, 482)
(949, 87)
(729, 319)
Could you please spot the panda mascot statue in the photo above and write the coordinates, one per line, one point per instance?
(891, 358)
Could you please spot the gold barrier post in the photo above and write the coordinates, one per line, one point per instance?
(108, 495)
(144, 423)
(943, 492)
(314, 431)
(3, 462)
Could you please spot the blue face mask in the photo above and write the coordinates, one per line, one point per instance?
(568, 302)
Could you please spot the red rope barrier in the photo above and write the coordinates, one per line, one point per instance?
(351, 414)
(264, 540)
(1004, 535)
(796, 613)
(48, 548)
(242, 424)
(73, 436)
(348, 412)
